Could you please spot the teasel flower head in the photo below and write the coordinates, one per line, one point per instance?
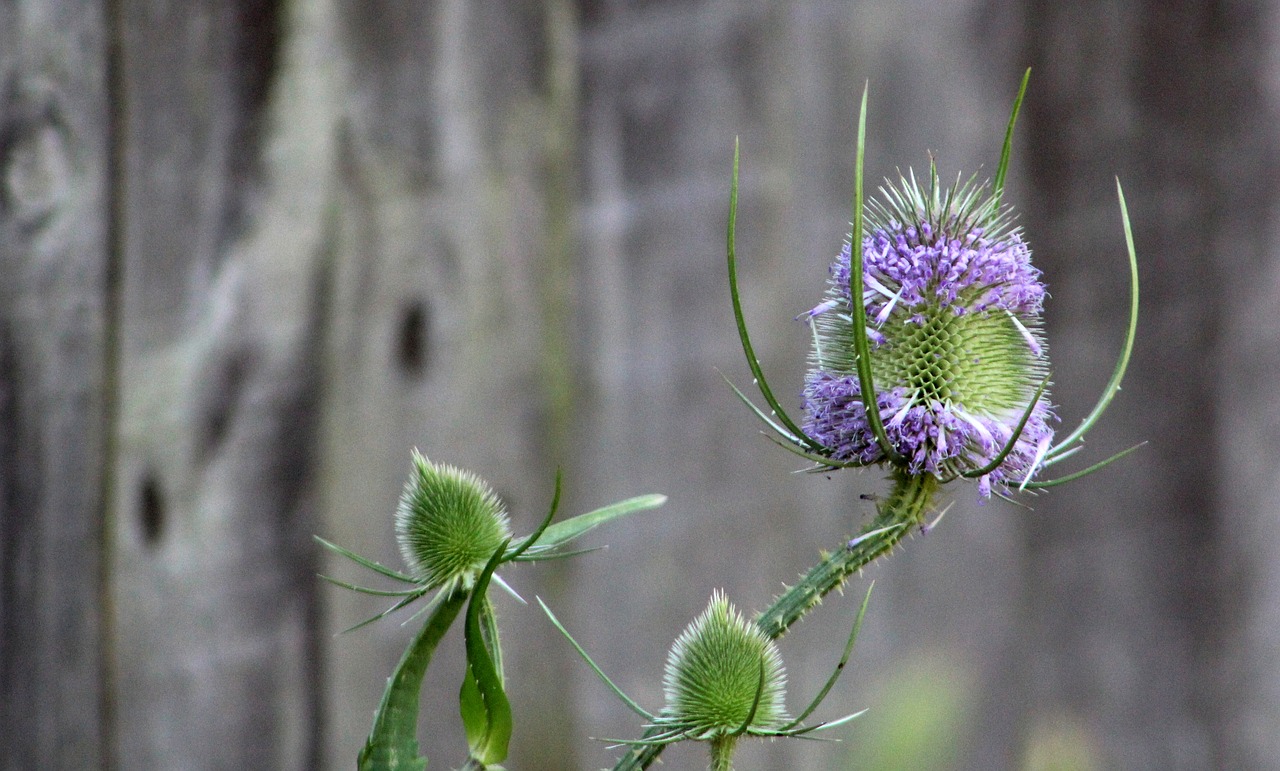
(723, 674)
(953, 318)
(448, 523)
(724, 680)
(934, 308)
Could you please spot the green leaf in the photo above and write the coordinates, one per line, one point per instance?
(861, 344)
(1014, 437)
(392, 744)
(486, 712)
(1005, 151)
(636, 708)
(564, 532)
(418, 592)
(840, 665)
(368, 563)
(752, 362)
(1084, 472)
(408, 599)
(1117, 376)
(542, 526)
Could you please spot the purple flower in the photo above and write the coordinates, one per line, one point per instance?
(953, 307)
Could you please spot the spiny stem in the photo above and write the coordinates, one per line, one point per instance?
(722, 748)
(903, 510)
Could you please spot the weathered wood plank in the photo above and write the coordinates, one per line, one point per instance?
(1127, 629)
(441, 332)
(350, 228)
(222, 321)
(54, 255)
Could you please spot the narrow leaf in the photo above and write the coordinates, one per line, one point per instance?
(1123, 363)
(752, 362)
(825, 463)
(486, 712)
(779, 430)
(542, 555)
(860, 342)
(1085, 472)
(1003, 168)
(392, 744)
(408, 599)
(840, 665)
(374, 592)
(636, 708)
(563, 532)
(374, 566)
(542, 527)
(755, 704)
(1013, 438)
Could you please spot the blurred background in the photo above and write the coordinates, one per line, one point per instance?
(252, 252)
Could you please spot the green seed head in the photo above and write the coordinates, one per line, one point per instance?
(714, 673)
(449, 523)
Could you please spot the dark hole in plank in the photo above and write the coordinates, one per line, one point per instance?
(413, 338)
(151, 509)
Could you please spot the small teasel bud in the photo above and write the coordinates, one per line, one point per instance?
(719, 668)
(449, 523)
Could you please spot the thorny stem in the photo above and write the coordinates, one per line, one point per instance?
(722, 752)
(898, 515)
(903, 510)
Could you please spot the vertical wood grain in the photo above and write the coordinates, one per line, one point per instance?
(279, 244)
(223, 292)
(54, 188)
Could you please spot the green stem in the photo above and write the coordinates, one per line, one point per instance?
(393, 742)
(722, 748)
(903, 510)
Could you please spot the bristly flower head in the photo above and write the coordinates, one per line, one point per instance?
(724, 680)
(724, 674)
(953, 306)
(448, 523)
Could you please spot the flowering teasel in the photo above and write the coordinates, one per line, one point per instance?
(953, 304)
(945, 331)
(938, 313)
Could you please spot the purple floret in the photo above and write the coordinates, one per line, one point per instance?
(927, 435)
(968, 275)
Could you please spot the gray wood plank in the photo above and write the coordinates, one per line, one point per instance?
(493, 230)
(443, 226)
(54, 253)
(1145, 581)
(222, 307)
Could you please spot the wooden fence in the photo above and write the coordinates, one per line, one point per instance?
(252, 252)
